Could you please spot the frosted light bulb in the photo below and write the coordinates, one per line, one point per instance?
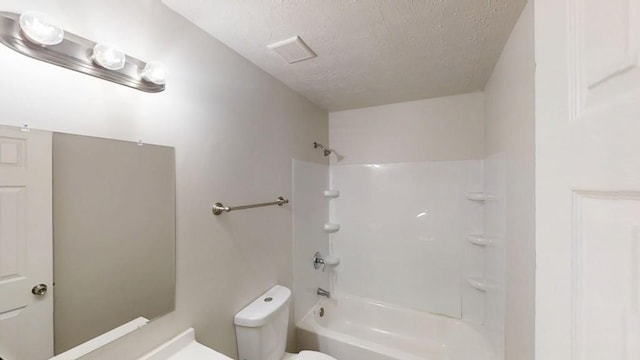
(39, 29)
(109, 57)
(154, 72)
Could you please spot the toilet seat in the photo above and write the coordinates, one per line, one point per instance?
(313, 355)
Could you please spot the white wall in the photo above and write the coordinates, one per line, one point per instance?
(446, 128)
(509, 134)
(235, 130)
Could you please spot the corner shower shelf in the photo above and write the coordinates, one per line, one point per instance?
(332, 260)
(477, 283)
(478, 196)
(479, 240)
(331, 228)
(332, 194)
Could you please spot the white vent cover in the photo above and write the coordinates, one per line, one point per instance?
(293, 50)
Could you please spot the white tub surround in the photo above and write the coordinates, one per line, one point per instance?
(356, 328)
(310, 214)
(403, 235)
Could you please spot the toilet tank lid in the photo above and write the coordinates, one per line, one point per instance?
(261, 309)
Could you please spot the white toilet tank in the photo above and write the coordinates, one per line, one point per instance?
(261, 327)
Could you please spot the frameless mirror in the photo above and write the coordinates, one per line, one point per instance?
(92, 222)
(113, 235)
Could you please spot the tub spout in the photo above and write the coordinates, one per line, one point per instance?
(323, 292)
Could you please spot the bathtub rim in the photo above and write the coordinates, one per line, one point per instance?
(308, 323)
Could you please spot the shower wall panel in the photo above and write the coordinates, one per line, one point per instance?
(403, 231)
(310, 212)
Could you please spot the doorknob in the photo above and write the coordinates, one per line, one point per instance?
(39, 289)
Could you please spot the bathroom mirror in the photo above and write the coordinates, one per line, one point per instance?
(113, 239)
(113, 235)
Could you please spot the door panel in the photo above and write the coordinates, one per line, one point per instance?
(12, 233)
(26, 320)
(606, 254)
(604, 41)
(587, 179)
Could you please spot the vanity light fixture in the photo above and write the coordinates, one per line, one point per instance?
(154, 72)
(109, 57)
(39, 29)
(35, 35)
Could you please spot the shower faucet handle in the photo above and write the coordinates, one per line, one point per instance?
(318, 261)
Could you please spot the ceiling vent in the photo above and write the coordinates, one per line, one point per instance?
(293, 50)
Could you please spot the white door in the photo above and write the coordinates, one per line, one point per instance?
(587, 179)
(26, 260)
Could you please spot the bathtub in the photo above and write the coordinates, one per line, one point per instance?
(352, 328)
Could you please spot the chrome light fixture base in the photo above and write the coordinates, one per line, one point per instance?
(74, 53)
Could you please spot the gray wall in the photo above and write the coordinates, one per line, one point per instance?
(235, 130)
(113, 235)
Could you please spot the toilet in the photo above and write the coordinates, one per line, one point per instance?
(261, 329)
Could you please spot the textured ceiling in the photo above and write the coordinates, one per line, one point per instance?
(370, 52)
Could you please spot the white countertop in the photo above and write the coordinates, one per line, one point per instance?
(184, 347)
